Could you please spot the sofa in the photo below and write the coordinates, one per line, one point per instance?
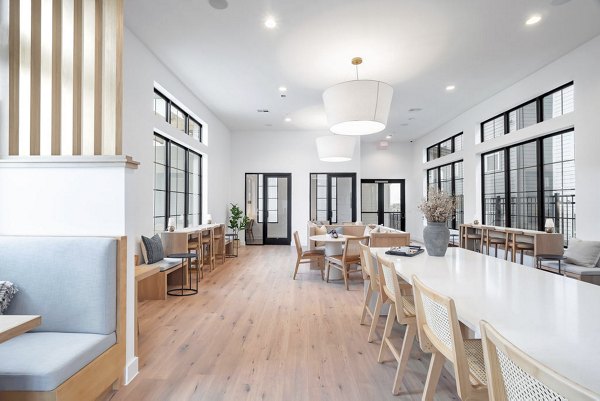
(380, 236)
(582, 261)
(78, 286)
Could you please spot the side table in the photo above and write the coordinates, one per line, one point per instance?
(558, 258)
(232, 246)
(183, 292)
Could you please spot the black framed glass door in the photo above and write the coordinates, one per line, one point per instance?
(382, 202)
(333, 197)
(269, 207)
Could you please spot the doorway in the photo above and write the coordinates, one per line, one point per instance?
(269, 207)
(333, 197)
(382, 202)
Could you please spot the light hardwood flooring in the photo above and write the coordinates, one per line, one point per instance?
(253, 333)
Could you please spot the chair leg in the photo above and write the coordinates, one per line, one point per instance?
(321, 263)
(366, 304)
(407, 344)
(376, 313)
(433, 375)
(496, 251)
(389, 323)
(328, 267)
(345, 271)
(296, 268)
(522, 252)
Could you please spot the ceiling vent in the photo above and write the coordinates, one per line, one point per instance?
(262, 111)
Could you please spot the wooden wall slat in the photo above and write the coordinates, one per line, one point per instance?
(112, 77)
(98, 56)
(35, 77)
(88, 66)
(14, 39)
(25, 79)
(67, 92)
(56, 75)
(77, 74)
(46, 43)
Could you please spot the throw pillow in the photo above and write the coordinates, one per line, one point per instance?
(144, 252)
(367, 232)
(154, 249)
(320, 231)
(7, 292)
(583, 253)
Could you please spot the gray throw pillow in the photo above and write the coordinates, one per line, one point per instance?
(583, 253)
(154, 249)
(7, 292)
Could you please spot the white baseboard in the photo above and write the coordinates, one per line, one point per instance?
(131, 371)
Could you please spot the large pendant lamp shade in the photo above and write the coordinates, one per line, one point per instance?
(359, 107)
(335, 148)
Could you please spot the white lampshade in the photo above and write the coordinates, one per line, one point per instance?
(208, 219)
(549, 223)
(358, 107)
(335, 148)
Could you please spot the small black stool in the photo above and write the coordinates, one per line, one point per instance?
(558, 258)
(184, 292)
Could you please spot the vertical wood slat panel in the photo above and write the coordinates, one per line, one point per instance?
(112, 77)
(56, 75)
(46, 84)
(88, 67)
(98, 56)
(35, 77)
(14, 39)
(67, 91)
(24, 78)
(77, 75)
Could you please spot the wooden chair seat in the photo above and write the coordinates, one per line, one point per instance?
(350, 257)
(308, 256)
(313, 252)
(524, 245)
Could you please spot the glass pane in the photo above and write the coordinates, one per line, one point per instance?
(160, 198)
(522, 117)
(160, 105)
(343, 200)
(194, 129)
(369, 197)
(392, 197)
(446, 147)
(458, 143)
(369, 218)
(568, 99)
(277, 219)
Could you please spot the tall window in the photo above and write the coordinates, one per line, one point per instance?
(177, 184)
(538, 181)
(449, 178)
(446, 147)
(174, 115)
(549, 105)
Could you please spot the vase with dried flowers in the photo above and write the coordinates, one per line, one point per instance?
(437, 209)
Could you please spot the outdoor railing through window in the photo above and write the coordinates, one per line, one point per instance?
(560, 208)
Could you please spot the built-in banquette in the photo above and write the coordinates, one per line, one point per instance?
(78, 286)
(380, 236)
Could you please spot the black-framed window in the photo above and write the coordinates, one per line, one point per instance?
(550, 105)
(526, 183)
(272, 199)
(449, 178)
(177, 184)
(176, 116)
(445, 147)
(332, 197)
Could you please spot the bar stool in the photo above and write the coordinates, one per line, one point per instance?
(194, 246)
(514, 245)
(474, 236)
(208, 250)
(490, 240)
(219, 242)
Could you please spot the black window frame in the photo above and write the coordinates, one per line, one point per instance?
(438, 146)
(539, 112)
(454, 224)
(329, 198)
(541, 200)
(187, 117)
(167, 211)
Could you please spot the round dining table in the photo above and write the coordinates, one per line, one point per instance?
(333, 246)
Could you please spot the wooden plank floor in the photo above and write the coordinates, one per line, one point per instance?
(253, 333)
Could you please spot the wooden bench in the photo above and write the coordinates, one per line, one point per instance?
(154, 280)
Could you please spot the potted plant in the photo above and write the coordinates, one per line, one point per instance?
(437, 209)
(237, 220)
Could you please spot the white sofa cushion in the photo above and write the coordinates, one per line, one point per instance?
(583, 253)
(575, 269)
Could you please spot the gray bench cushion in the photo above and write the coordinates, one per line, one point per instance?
(43, 361)
(575, 269)
(69, 281)
(166, 263)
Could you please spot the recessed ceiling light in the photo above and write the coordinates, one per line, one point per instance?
(288, 119)
(414, 110)
(411, 118)
(282, 89)
(404, 124)
(270, 22)
(388, 137)
(450, 88)
(534, 19)
(218, 4)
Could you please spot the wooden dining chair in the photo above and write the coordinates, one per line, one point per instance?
(402, 310)
(308, 256)
(208, 247)
(350, 257)
(489, 240)
(194, 246)
(513, 245)
(371, 274)
(219, 242)
(439, 333)
(514, 375)
(474, 236)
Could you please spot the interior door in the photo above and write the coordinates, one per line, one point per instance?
(382, 202)
(268, 205)
(332, 197)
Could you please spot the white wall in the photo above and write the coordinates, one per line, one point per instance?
(141, 70)
(581, 66)
(284, 152)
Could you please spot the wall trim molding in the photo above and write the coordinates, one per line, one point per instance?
(68, 161)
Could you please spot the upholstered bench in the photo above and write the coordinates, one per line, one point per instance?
(587, 274)
(77, 285)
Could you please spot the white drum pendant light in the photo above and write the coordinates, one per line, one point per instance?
(359, 107)
(335, 148)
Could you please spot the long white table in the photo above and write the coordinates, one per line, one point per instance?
(554, 319)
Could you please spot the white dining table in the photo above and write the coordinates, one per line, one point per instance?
(333, 246)
(554, 319)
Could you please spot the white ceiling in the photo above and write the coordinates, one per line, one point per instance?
(235, 65)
